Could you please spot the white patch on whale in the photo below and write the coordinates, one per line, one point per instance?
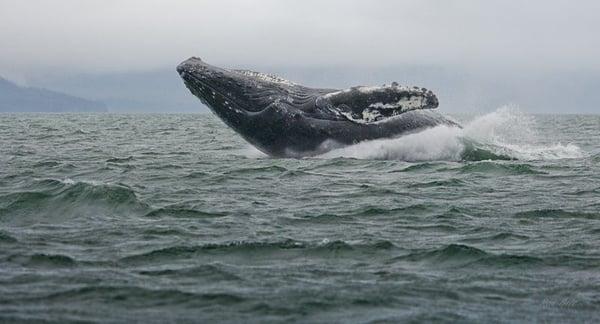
(411, 99)
(413, 102)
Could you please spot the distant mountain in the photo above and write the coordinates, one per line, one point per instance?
(142, 91)
(14, 98)
(458, 89)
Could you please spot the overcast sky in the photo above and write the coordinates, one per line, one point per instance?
(123, 35)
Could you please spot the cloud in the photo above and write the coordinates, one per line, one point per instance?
(109, 35)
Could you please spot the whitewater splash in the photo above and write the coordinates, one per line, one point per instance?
(505, 133)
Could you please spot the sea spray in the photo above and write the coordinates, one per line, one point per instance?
(506, 133)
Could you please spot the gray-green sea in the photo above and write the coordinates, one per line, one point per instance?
(174, 218)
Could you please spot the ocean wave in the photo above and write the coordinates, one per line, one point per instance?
(504, 134)
(325, 218)
(452, 252)
(556, 213)
(120, 159)
(197, 175)
(205, 271)
(499, 168)
(439, 183)
(432, 228)
(259, 169)
(459, 255)
(5, 238)
(465, 256)
(188, 251)
(419, 167)
(180, 153)
(474, 151)
(50, 260)
(135, 296)
(581, 192)
(42, 260)
(497, 237)
(112, 194)
(165, 231)
(55, 200)
(49, 164)
(353, 216)
(380, 211)
(79, 132)
(183, 212)
(167, 166)
(332, 163)
(250, 249)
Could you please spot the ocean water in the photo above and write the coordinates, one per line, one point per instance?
(174, 218)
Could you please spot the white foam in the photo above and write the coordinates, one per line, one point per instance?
(505, 131)
(438, 143)
(68, 181)
(251, 152)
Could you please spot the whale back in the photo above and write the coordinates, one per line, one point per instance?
(358, 104)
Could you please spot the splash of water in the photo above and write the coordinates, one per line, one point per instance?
(505, 133)
(251, 152)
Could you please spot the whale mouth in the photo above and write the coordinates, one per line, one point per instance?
(210, 95)
(220, 89)
(199, 80)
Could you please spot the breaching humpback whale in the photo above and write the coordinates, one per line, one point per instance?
(285, 119)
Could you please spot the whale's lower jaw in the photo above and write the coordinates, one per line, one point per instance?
(284, 119)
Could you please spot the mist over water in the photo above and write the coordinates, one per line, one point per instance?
(161, 218)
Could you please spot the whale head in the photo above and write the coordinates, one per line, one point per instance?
(229, 92)
(247, 101)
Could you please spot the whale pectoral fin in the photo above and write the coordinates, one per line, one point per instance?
(369, 104)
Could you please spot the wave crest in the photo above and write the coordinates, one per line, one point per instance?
(55, 201)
